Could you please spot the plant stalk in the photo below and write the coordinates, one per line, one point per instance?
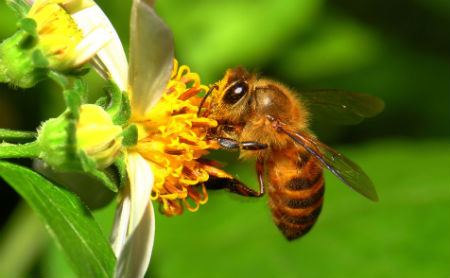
(30, 150)
(17, 136)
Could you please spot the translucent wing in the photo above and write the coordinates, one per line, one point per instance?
(341, 106)
(342, 167)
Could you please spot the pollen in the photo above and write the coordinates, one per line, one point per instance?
(175, 139)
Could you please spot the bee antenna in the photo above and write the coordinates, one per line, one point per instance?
(204, 98)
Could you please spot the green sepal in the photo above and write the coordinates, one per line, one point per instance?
(125, 112)
(117, 104)
(106, 178)
(20, 64)
(130, 136)
(59, 78)
(28, 25)
(114, 96)
(121, 167)
(30, 35)
(89, 167)
(102, 102)
(76, 72)
(87, 164)
(39, 60)
(19, 7)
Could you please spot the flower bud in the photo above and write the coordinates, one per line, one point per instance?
(91, 142)
(98, 136)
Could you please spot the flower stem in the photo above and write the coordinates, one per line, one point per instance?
(30, 150)
(17, 136)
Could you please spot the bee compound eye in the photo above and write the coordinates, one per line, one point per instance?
(236, 92)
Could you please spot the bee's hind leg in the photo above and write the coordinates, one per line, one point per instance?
(232, 185)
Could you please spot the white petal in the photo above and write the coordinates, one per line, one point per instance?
(134, 254)
(151, 57)
(141, 179)
(135, 257)
(121, 222)
(93, 43)
(110, 61)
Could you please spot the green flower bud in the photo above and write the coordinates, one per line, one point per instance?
(98, 136)
(89, 143)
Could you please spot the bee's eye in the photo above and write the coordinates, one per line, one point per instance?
(235, 92)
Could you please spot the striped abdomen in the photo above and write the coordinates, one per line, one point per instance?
(296, 190)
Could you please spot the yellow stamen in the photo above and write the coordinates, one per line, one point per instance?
(174, 139)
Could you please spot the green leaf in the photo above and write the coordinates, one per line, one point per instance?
(67, 219)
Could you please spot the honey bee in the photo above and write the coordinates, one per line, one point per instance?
(266, 121)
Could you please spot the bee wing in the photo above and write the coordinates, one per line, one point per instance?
(341, 107)
(342, 167)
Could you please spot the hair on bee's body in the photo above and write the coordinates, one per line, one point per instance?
(265, 120)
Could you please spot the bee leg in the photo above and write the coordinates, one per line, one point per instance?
(253, 146)
(260, 173)
(232, 185)
(229, 143)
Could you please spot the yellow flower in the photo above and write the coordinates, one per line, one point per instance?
(63, 42)
(54, 35)
(165, 165)
(173, 139)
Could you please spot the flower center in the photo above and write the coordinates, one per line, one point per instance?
(174, 139)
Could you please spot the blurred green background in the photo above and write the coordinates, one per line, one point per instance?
(396, 50)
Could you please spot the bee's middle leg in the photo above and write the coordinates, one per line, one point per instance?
(229, 143)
